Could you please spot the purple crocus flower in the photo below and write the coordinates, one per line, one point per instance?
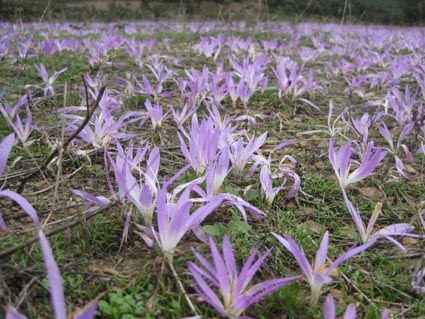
(234, 292)
(48, 80)
(22, 131)
(394, 148)
(341, 162)
(155, 114)
(283, 173)
(181, 116)
(10, 112)
(203, 143)
(143, 192)
(214, 179)
(103, 128)
(368, 235)
(242, 152)
(318, 273)
(419, 282)
(175, 220)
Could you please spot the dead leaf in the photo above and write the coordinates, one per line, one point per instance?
(371, 192)
(322, 143)
(312, 226)
(390, 200)
(409, 169)
(409, 241)
(303, 143)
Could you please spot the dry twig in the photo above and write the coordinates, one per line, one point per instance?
(90, 110)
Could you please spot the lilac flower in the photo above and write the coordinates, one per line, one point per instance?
(242, 152)
(319, 272)
(126, 85)
(10, 112)
(214, 179)
(203, 144)
(197, 86)
(161, 74)
(307, 54)
(361, 126)
(5, 148)
(103, 128)
(402, 106)
(294, 85)
(232, 90)
(221, 169)
(48, 80)
(244, 93)
(96, 82)
(175, 220)
(283, 173)
(394, 148)
(267, 190)
(419, 282)
(341, 162)
(22, 131)
(218, 92)
(182, 116)
(56, 288)
(23, 47)
(143, 192)
(155, 114)
(234, 291)
(251, 73)
(368, 235)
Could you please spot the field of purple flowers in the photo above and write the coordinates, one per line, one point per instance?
(201, 170)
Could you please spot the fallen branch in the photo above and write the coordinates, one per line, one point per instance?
(90, 213)
(90, 110)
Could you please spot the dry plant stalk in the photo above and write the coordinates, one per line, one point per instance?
(91, 108)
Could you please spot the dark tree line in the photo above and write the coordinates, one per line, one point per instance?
(400, 12)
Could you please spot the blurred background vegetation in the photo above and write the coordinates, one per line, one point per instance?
(397, 12)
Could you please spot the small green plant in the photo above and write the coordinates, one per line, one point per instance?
(120, 305)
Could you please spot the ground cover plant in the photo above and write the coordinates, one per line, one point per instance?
(172, 170)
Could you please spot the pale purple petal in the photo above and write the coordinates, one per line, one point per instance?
(298, 254)
(5, 148)
(229, 257)
(356, 217)
(55, 279)
(329, 308)
(12, 313)
(322, 253)
(88, 312)
(350, 253)
(350, 312)
(26, 206)
(385, 314)
(203, 289)
(221, 272)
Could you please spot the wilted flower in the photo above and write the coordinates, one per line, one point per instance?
(369, 235)
(318, 272)
(48, 80)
